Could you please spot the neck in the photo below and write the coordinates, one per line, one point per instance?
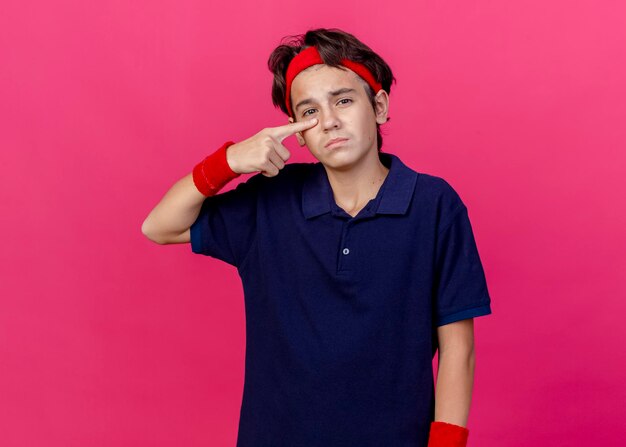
(354, 187)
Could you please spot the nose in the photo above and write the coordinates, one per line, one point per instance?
(329, 119)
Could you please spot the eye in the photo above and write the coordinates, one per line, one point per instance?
(305, 113)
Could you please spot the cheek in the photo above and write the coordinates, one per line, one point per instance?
(308, 134)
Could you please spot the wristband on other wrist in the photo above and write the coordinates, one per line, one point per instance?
(444, 434)
(212, 173)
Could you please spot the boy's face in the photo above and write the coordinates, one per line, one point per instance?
(348, 114)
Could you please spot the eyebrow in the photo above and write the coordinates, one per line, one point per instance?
(330, 95)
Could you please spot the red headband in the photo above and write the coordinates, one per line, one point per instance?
(310, 56)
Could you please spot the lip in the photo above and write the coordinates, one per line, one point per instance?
(335, 142)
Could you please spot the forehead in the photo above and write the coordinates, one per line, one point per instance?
(318, 79)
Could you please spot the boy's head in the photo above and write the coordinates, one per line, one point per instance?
(356, 114)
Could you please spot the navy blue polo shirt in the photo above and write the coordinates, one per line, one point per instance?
(342, 312)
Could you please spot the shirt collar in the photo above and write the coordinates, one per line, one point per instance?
(394, 195)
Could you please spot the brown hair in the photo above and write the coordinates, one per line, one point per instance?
(333, 45)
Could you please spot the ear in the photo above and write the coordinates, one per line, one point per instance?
(299, 137)
(382, 106)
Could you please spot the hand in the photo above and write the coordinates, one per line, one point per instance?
(264, 151)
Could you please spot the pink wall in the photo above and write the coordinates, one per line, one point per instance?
(107, 339)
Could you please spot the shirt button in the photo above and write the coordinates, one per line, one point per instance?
(346, 251)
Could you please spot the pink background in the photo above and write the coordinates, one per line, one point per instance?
(107, 339)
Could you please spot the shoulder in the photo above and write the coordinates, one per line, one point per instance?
(286, 183)
(439, 195)
(295, 172)
(430, 189)
(290, 174)
(439, 190)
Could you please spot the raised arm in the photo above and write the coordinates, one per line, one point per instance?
(171, 218)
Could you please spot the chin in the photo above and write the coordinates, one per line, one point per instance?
(340, 163)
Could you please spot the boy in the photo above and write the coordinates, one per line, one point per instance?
(356, 269)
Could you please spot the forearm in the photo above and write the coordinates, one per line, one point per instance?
(453, 392)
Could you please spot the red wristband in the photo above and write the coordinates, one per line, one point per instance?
(212, 173)
(444, 434)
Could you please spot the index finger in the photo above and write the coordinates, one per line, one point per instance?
(282, 132)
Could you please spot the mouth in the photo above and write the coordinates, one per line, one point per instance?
(335, 142)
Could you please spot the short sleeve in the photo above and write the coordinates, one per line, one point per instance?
(225, 228)
(460, 284)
